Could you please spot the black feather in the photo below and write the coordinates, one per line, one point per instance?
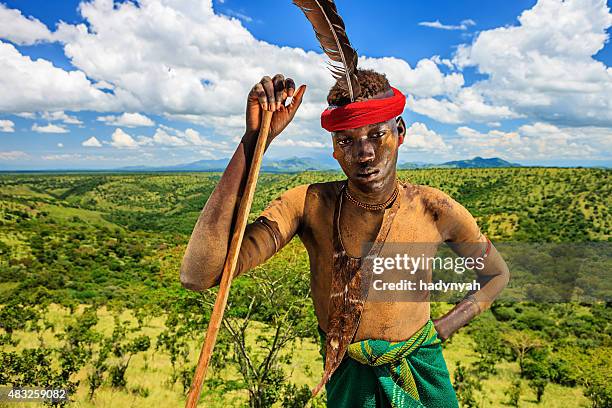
(331, 33)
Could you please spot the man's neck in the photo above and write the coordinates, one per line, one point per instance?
(375, 196)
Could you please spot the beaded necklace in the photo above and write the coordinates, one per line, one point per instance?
(373, 207)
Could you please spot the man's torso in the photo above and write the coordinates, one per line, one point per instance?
(416, 221)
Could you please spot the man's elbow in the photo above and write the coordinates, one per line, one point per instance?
(193, 281)
(188, 282)
(505, 275)
(499, 265)
(191, 285)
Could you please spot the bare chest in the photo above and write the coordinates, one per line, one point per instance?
(358, 229)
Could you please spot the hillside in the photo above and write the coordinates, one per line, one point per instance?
(478, 163)
(89, 262)
(475, 163)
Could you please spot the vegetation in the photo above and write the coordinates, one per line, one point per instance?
(90, 299)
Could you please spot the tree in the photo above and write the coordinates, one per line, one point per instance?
(95, 378)
(514, 393)
(466, 384)
(188, 314)
(521, 342)
(485, 331)
(537, 368)
(277, 295)
(593, 369)
(538, 385)
(124, 349)
(598, 388)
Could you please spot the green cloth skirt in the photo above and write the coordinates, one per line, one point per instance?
(378, 373)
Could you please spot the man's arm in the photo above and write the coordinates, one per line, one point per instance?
(464, 237)
(206, 251)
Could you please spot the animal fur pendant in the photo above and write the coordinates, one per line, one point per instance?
(345, 307)
(349, 290)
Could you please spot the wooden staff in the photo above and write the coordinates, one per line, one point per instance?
(230, 264)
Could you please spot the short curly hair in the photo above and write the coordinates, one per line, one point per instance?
(372, 83)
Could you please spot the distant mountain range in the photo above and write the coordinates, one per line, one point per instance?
(298, 164)
(291, 165)
(475, 163)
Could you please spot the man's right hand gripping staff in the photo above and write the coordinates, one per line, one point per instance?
(207, 248)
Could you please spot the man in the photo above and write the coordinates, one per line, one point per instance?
(384, 352)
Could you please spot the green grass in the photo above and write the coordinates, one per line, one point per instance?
(6, 287)
(460, 349)
(152, 369)
(22, 190)
(76, 215)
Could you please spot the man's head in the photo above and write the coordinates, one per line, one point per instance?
(368, 154)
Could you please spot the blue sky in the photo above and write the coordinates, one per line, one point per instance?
(160, 82)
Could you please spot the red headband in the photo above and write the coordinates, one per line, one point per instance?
(358, 114)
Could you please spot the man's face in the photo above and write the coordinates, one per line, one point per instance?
(368, 155)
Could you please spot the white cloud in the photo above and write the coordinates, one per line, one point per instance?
(162, 137)
(207, 154)
(540, 69)
(28, 86)
(284, 142)
(60, 157)
(121, 140)
(60, 145)
(50, 128)
(238, 15)
(220, 61)
(92, 142)
(21, 30)
(26, 115)
(543, 67)
(424, 80)
(587, 141)
(144, 141)
(13, 155)
(7, 126)
(537, 141)
(419, 137)
(61, 116)
(464, 25)
(193, 137)
(435, 94)
(81, 157)
(494, 143)
(443, 61)
(127, 120)
(169, 137)
(104, 85)
(467, 105)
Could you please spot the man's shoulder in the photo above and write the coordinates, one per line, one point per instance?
(429, 199)
(424, 192)
(312, 196)
(327, 189)
(315, 191)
